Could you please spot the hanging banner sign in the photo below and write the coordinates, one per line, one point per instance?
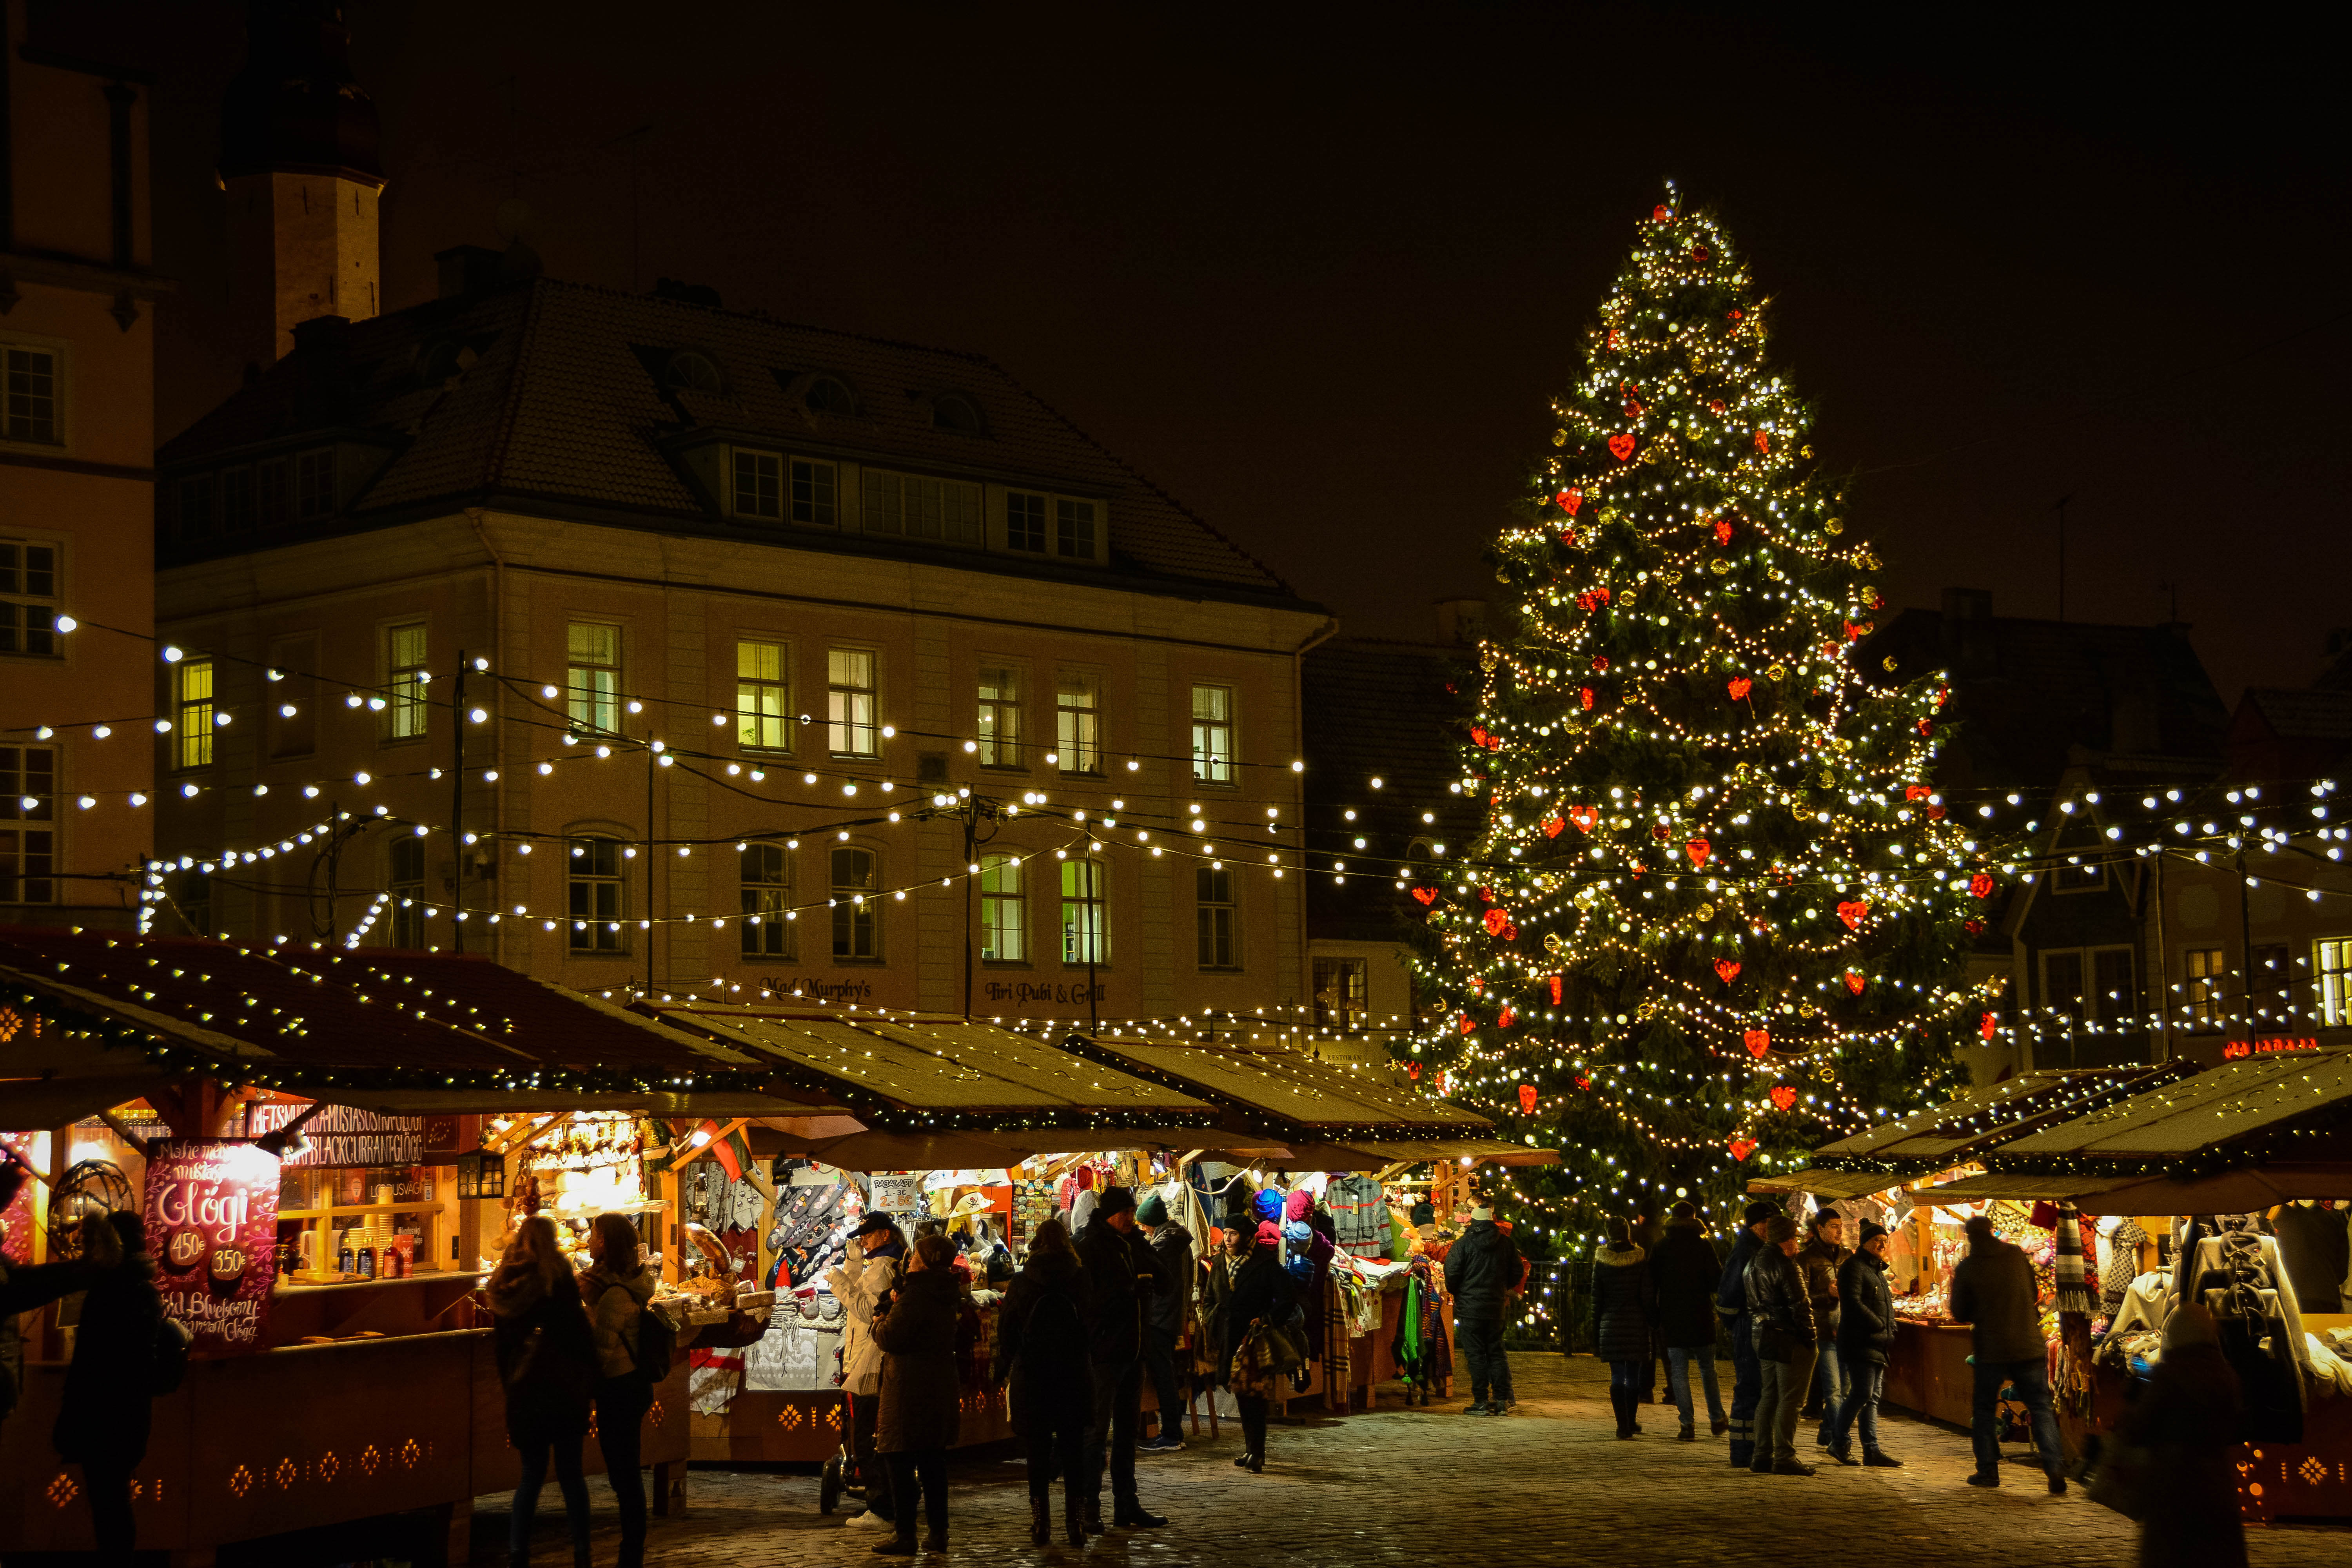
(340, 1135)
(212, 1228)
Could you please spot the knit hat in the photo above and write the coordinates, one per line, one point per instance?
(1151, 1210)
(1299, 1204)
(1757, 1213)
(1267, 1204)
(1620, 1233)
(1779, 1228)
(1423, 1213)
(1685, 1210)
(1870, 1231)
(1113, 1200)
(1268, 1233)
(1484, 1211)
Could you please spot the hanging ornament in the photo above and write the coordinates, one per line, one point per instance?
(1739, 687)
(1853, 982)
(1584, 695)
(1551, 826)
(1412, 1071)
(1555, 979)
(1555, 944)
(1477, 734)
(1661, 213)
(1783, 1097)
(1698, 850)
(1506, 1017)
(1741, 1148)
(1758, 1041)
(1469, 1025)
(1988, 1025)
(1583, 1081)
(1715, 406)
(1973, 927)
(1621, 445)
(1496, 919)
(1854, 912)
(1527, 1100)
(1723, 531)
(1727, 970)
(1570, 501)
(1584, 816)
(1705, 911)
(1981, 884)
(1427, 896)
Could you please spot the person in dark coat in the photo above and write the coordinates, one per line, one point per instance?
(615, 1290)
(2187, 1421)
(1782, 1317)
(920, 1407)
(1163, 1318)
(1624, 1317)
(1993, 1291)
(1819, 1261)
(1041, 1357)
(1482, 1269)
(1865, 1339)
(1685, 1271)
(1731, 1306)
(24, 1285)
(1115, 1290)
(546, 1355)
(1254, 1289)
(107, 1404)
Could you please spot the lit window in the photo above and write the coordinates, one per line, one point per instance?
(1340, 994)
(405, 676)
(948, 510)
(814, 490)
(29, 843)
(192, 733)
(1025, 521)
(2336, 982)
(1213, 904)
(314, 485)
(1084, 940)
(1074, 529)
(2208, 988)
(32, 406)
(29, 592)
(1077, 722)
(763, 695)
(405, 927)
(1003, 911)
(857, 925)
(1212, 735)
(849, 702)
(599, 898)
(767, 879)
(593, 679)
(759, 484)
(1000, 717)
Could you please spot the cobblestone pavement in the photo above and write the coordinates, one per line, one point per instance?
(1548, 1483)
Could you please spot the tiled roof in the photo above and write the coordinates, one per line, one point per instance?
(556, 398)
(2303, 715)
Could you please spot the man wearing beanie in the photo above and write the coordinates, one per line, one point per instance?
(1118, 1281)
(1163, 1319)
(1686, 1271)
(1992, 1289)
(1481, 1272)
(1865, 1336)
(1731, 1305)
(1780, 1319)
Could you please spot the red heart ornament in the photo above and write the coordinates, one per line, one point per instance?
(1723, 531)
(1621, 445)
(1584, 695)
(1854, 982)
(1988, 1025)
(1763, 440)
(1697, 849)
(1554, 989)
(1584, 816)
(1551, 826)
(1427, 896)
(1570, 501)
(1412, 1071)
(1727, 970)
(1784, 1097)
(1495, 921)
(1469, 1025)
(1916, 792)
(1758, 1041)
(1739, 687)
(1981, 884)
(1477, 734)
(1583, 1081)
(1853, 913)
(1601, 594)
(1741, 1148)
(1509, 1017)
(1527, 1100)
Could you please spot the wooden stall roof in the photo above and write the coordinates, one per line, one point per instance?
(910, 1072)
(1961, 1130)
(99, 1017)
(1283, 1086)
(1826, 1184)
(2234, 1190)
(2292, 1107)
(1482, 1151)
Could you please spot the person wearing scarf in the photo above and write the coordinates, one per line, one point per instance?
(546, 1357)
(616, 1288)
(862, 1283)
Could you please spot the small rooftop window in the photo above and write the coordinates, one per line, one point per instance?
(953, 411)
(691, 371)
(827, 395)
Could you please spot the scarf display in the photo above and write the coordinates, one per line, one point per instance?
(2073, 1282)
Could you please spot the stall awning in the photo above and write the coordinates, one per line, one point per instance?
(1963, 1129)
(2240, 1190)
(2022, 1189)
(1479, 1151)
(1280, 1088)
(2240, 1112)
(1827, 1183)
(101, 1017)
(930, 1073)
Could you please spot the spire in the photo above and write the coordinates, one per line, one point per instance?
(294, 107)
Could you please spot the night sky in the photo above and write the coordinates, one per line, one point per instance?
(1319, 274)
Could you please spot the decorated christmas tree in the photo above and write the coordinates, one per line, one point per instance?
(1716, 913)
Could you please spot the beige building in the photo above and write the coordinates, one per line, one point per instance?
(76, 502)
(736, 606)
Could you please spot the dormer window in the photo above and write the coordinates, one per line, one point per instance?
(827, 395)
(691, 371)
(954, 412)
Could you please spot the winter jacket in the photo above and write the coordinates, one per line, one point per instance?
(1685, 1271)
(1172, 1270)
(1866, 1311)
(861, 1285)
(1481, 1270)
(1041, 1347)
(2188, 1419)
(546, 1354)
(921, 1407)
(1624, 1303)
(1113, 1299)
(1993, 1289)
(1818, 1261)
(614, 1304)
(1731, 1290)
(1259, 1288)
(24, 1287)
(107, 1400)
(1780, 1312)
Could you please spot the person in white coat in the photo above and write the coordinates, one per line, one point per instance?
(862, 1283)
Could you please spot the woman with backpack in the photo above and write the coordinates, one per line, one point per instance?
(547, 1362)
(616, 1288)
(1041, 1351)
(107, 1400)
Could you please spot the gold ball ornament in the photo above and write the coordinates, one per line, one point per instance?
(1719, 566)
(1707, 911)
(1889, 662)
(1560, 437)
(1828, 778)
(1805, 451)
(1834, 526)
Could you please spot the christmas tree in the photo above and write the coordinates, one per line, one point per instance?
(1716, 913)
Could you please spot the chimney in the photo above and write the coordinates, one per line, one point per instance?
(1460, 621)
(467, 268)
(1967, 631)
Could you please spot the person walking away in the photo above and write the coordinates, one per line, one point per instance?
(1731, 1306)
(1512, 1300)
(1624, 1315)
(546, 1357)
(107, 1404)
(616, 1288)
(1256, 1293)
(1163, 1319)
(1781, 1317)
(1041, 1360)
(1819, 1261)
(1684, 1272)
(1480, 1271)
(1116, 1288)
(24, 1287)
(1865, 1339)
(1993, 1291)
(920, 1401)
(862, 1282)
(2186, 1421)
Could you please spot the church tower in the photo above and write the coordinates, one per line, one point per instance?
(299, 163)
